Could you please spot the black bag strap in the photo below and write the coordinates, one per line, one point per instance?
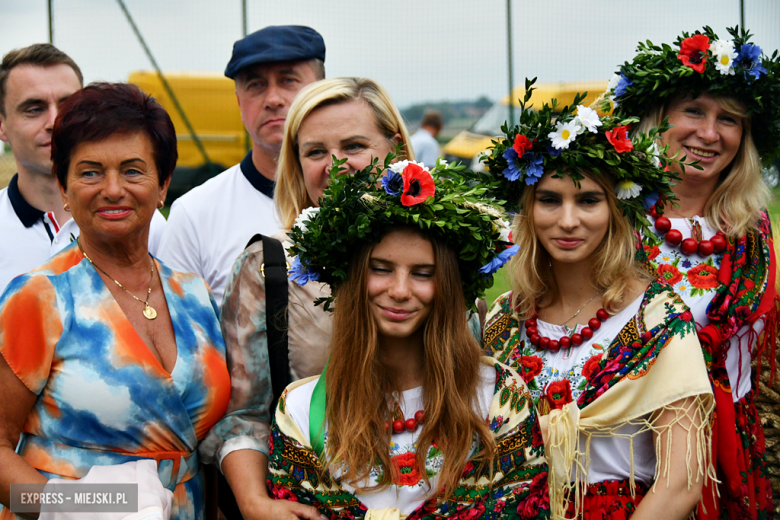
(274, 270)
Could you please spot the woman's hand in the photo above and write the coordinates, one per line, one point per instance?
(246, 472)
(265, 508)
(673, 496)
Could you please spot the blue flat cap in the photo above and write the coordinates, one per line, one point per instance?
(274, 44)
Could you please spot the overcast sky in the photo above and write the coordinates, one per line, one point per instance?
(421, 50)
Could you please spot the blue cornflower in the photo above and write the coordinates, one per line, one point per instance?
(535, 168)
(301, 275)
(393, 183)
(513, 171)
(622, 85)
(686, 264)
(651, 199)
(499, 260)
(749, 60)
(554, 152)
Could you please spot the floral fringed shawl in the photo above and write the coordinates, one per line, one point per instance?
(746, 293)
(517, 489)
(654, 363)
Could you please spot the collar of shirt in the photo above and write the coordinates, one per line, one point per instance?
(257, 179)
(27, 214)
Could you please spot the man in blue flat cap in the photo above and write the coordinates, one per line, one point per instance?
(209, 226)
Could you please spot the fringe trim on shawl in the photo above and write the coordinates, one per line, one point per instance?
(771, 328)
(569, 461)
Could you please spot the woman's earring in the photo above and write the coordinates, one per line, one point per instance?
(161, 204)
(66, 207)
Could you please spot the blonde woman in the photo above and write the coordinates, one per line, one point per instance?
(715, 245)
(598, 341)
(352, 119)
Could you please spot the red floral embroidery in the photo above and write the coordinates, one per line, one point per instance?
(618, 137)
(669, 273)
(693, 52)
(472, 513)
(522, 144)
(703, 276)
(418, 185)
(282, 493)
(559, 393)
(591, 367)
(538, 499)
(686, 316)
(407, 472)
(652, 251)
(530, 367)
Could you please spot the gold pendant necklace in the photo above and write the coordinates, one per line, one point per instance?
(149, 312)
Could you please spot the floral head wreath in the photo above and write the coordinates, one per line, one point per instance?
(577, 139)
(362, 207)
(702, 62)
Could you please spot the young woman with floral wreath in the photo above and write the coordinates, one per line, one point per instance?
(714, 244)
(406, 421)
(596, 339)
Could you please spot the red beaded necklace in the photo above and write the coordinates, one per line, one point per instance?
(410, 425)
(576, 339)
(693, 245)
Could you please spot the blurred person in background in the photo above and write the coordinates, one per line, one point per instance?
(109, 356)
(424, 142)
(209, 226)
(34, 81)
(714, 245)
(355, 120)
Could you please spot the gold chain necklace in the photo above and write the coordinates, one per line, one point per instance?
(579, 311)
(149, 312)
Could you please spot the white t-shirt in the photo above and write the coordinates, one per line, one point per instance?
(610, 457)
(30, 236)
(210, 225)
(693, 279)
(405, 496)
(425, 146)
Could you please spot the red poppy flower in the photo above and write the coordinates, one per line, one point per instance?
(618, 137)
(703, 276)
(591, 367)
(652, 251)
(559, 393)
(407, 472)
(418, 185)
(530, 367)
(669, 274)
(522, 144)
(693, 52)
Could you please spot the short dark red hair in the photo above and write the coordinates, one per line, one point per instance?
(101, 110)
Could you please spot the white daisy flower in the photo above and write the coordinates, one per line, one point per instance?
(400, 165)
(306, 215)
(653, 152)
(565, 133)
(588, 118)
(505, 232)
(627, 189)
(724, 54)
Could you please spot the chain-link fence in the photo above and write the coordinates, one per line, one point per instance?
(448, 54)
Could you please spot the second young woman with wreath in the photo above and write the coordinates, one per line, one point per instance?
(610, 356)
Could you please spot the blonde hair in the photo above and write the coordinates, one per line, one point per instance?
(613, 270)
(357, 382)
(290, 195)
(741, 194)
